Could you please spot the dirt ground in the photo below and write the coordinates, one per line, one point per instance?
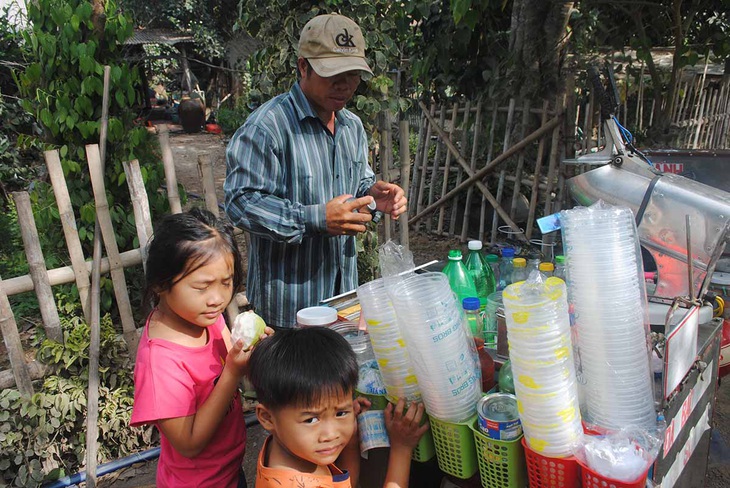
(187, 147)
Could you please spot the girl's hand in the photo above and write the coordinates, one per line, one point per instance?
(405, 429)
(238, 356)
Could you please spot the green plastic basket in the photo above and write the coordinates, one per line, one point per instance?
(455, 448)
(425, 449)
(501, 463)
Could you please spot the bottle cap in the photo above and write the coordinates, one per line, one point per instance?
(455, 255)
(559, 259)
(470, 303)
(372, 205)
(491, 258)
(508, 252)
(519, 262)
(316, 316)
(475, 245)
(546, 267)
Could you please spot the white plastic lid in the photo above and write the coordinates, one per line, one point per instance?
(474, 245)
(316, 316)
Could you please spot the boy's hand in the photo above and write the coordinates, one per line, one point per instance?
(405, 429)
(360, 405)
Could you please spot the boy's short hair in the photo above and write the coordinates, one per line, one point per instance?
(300, 367)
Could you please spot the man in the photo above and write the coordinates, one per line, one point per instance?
(299, 182)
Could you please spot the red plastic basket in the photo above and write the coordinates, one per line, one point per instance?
(591, 479)
(547, 472)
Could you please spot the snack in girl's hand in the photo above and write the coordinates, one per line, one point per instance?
(247, 327)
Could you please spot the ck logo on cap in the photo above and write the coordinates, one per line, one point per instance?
(344, 39)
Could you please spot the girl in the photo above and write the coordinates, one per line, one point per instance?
(187, 371)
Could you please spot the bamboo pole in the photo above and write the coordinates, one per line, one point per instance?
(472, 167)
(140, 206)
(385, 161)
(552, 165)
(534, 194)
(413, 193)
(14, 347)
(699, 120)
(500, 186)
(459, 172)
(424, 156)
(110, 243)
(405, 172)
(37, 267)
(447, 170)
(65, 274)
(490, 146)
(520, 160)
(434, 168)
(70, 232)
(474, 178)
(92, 401)
(168, 163)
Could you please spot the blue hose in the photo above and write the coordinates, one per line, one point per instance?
(112, 466)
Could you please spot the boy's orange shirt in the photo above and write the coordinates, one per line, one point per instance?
(267, 477)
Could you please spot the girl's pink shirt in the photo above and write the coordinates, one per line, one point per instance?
(172, 381)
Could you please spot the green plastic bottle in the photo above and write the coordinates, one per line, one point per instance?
(459, 278)
(481, 272)
(506, 379)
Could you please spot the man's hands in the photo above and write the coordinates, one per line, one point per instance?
(389, 198)
(342, 217)
(346, 215)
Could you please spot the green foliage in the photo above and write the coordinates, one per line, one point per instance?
(62, 87)
(367, 254)
(43, 438)
(230, 119)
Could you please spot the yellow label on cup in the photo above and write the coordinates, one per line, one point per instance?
(528, 381)
(520, 317)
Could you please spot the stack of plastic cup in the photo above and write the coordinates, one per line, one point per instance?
(610, 313)
(443, 354)
(540, 351)
(388, 345)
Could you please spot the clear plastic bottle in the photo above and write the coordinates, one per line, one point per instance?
(480, 272)
(560, 269)
(475, 320)
(505, 268)
(533, 261)
(506, 378)
(493, 261)
(459, 277)
(547, 269)
(519, 270)
(474, 316)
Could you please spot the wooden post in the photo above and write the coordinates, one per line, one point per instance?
(168, 163)
(459, 171)
(552, 165)
(490, 145)
(11, 339)
(538, 170)
(500, 187)
(424, 164)
(472, 166)
(205, 169)
(447, 169)
(520, 160)
(112, 251)
(140, 206)
(413, 193)
(37, 267)
(435, 166)
(386, 155)
(68, 220)
(405, 172)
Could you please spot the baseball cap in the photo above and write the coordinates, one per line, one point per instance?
(333, 44)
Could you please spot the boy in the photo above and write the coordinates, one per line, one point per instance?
(304, 380)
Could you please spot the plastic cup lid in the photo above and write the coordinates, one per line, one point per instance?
(474, 245)
(314, 316)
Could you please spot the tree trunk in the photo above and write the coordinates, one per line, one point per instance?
(537, 38)
(98, 17)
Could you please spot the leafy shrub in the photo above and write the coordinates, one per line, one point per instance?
(44, 438)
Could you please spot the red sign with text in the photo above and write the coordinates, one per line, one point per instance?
(675, 168)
